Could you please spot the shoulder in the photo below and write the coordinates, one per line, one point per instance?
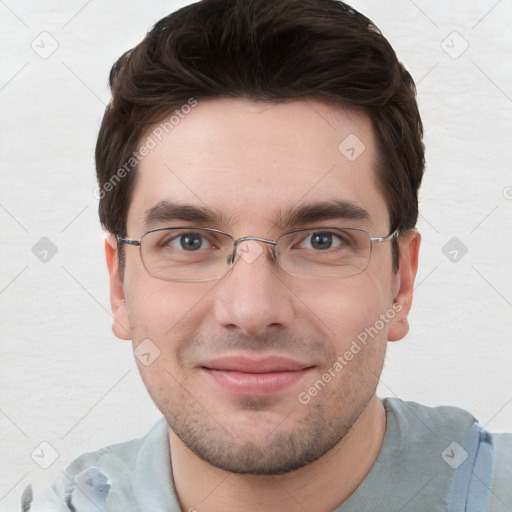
(481, 461)
(500, 495)
(424, 421)
(90, 476)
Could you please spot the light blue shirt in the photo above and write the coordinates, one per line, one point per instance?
(432, 459)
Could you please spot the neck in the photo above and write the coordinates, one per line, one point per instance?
(321, 486)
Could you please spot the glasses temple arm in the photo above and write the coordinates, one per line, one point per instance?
(127, 241)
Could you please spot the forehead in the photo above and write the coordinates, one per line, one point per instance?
(251, 163)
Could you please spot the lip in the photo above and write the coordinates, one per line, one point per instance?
(255, 377)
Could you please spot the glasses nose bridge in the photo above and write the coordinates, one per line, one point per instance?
(247, 239)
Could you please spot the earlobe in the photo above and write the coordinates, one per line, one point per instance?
(406, 275)
(120, 326)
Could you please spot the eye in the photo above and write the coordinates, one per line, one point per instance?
(187, 241)
(321, 240)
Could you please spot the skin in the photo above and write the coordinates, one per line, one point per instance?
(250, 161)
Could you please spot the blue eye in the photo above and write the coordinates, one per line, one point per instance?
(321, 241)
(190, 241)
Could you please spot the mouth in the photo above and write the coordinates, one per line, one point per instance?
(244, 376)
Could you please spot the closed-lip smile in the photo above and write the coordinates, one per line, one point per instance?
(247, 376)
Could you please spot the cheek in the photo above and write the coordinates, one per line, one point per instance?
(163, 317)
(164, 311)
(346, 308)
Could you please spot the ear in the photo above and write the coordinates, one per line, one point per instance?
(121, 325)
(404, 284)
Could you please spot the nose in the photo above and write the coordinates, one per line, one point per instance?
(253, 297)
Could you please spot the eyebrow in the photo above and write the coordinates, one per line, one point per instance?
(166, 211)
(339, 209)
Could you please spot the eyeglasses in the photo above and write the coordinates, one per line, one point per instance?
(192, 254)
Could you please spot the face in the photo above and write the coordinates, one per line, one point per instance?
(261, 371)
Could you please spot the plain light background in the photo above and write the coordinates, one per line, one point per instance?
(67, 381)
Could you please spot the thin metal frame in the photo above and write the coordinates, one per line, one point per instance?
(231, 259)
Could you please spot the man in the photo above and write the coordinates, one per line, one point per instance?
(258, 173)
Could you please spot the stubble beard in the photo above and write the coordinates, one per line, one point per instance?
(260, 446)
(279, 449)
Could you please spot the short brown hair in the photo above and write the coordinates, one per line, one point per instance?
(262, 50)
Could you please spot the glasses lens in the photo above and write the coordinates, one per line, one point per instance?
(325, 253)
(186, 254)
